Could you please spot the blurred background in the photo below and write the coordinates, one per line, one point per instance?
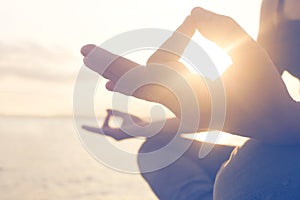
(41, 155)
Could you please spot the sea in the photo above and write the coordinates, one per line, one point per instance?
(43, 159)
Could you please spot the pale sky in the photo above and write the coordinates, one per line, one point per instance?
(40, 43)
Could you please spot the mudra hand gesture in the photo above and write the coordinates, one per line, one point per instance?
(257, 101)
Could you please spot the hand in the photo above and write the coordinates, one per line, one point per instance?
(162, 66)
(118, 133)
(130, 127)
(258, 103)
(256, 97)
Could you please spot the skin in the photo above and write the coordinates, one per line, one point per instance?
(119, 133)
(291, 9)
(258, 104)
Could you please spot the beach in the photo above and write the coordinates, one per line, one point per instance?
(43, 158)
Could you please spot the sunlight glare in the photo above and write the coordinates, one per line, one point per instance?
(219, 57)
(223, 138)
(292, 84)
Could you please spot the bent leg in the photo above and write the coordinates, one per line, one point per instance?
(260, 171)
(188, 177)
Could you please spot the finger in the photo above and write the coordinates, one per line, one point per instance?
(222, 30)
(172, 49)
(115, 133)
(110, 85)
(150, 92)
(93, 129)
(146, 92)
(134, 85)
(105, 63)
(85, 50)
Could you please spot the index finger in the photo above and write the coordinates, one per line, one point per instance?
(172, 49)
(225, 32)
(107, 64)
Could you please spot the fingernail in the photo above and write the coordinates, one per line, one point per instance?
(85, 50)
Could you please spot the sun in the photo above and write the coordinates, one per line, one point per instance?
(218, 56)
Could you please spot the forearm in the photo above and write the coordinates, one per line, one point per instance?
(293, 120)
(281, 126)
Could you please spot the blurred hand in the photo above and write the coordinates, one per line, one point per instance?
(118, 133)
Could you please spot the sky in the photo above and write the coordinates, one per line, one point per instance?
(40, 43)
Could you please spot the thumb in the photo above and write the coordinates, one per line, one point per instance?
(222, 30)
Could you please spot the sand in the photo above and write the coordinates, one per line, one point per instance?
(42, 158)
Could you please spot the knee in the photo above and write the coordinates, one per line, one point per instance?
(149, 157)
(259, 171)
(179, 179)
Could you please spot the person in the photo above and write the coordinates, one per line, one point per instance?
(258, 106)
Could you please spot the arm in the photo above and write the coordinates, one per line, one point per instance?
(293, 123)
(278, 127)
